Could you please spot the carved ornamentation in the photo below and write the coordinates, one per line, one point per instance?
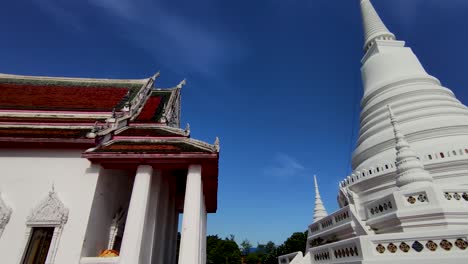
(431, 245)
(380, 248)
(5, 213)
(422, 198)
(417, 246)
(465, 196)
(445, 244)
(461, 244)
(51, 211)
(448, 196)
(404, 247)
(411, 200)
(392, 248)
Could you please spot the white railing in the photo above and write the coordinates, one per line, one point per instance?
(339, 217)
(341, 251)
(96, 260)
(379, 170)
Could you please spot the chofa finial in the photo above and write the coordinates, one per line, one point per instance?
(216, 144)
(181, 84)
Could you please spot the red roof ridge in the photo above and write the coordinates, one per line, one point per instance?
(71, 79)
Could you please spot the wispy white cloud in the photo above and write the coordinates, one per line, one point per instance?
(284, 166)
(169, 37)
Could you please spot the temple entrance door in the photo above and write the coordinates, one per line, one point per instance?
(38, 245)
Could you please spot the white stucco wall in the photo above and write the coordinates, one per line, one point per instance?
(26, 177)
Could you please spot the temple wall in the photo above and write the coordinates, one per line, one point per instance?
(26, 178)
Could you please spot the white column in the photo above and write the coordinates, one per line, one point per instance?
(173, 259)
(203, 230)
(190, 240)
(162, 224)
(166, 226)
(133, 234)
(170, 223)
(151, 218)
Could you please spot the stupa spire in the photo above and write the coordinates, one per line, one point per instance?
(410, 170)
(319, 210)
(374, 28)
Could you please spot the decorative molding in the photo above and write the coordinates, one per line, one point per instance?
(50, 212)
(5, 213)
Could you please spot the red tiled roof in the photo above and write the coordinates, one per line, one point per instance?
(149, 110)
(76, 98)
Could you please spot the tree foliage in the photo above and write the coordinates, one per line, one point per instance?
(296, 242)
(246, 246)
(226, 251)
(222, 251)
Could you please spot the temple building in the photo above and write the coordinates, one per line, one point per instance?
(99, 171)
(406, 200)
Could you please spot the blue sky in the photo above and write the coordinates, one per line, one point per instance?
(277, 81)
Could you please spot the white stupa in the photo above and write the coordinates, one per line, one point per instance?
(406, 200)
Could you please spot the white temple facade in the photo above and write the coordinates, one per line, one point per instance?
(406, 200)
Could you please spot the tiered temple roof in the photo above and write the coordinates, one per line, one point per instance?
(118, 123)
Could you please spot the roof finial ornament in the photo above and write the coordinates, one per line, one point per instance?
(319, 209)
(187, 129)
(216, 144)
(181, 84)
(410, 170)
(374, 28)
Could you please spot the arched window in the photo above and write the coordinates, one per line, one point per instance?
(44, 228)
(5, 213)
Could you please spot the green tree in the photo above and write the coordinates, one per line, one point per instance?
(296, 242)
(222, 251)
(252, 259)
(246, 246)
(269, 247)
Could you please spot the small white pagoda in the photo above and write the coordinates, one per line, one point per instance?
(406, 200)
